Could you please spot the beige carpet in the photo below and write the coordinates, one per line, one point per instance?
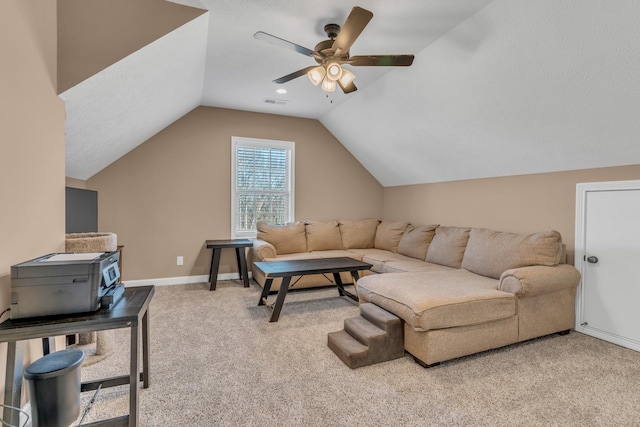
(217, 361)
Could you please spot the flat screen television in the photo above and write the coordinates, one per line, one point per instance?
(81, 210)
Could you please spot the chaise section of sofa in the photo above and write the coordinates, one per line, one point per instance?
(501, 288)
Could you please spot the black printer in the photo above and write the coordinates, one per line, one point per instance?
(65, 283)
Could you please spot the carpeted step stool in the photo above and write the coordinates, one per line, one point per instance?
(373, 337)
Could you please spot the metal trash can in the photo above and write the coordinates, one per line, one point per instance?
(54, 388)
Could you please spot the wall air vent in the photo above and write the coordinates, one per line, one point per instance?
(273, 101)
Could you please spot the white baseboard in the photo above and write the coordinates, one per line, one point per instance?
(181, 280)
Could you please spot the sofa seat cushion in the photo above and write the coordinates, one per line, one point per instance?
(438, 299)
(377, 257)
(413, 265)
(335, 254)
(293, 257)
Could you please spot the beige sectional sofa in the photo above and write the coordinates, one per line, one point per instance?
(458, 290)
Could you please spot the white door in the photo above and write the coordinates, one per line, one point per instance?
(608, 256)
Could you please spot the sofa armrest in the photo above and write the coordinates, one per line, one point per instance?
(538, 280)
(262, 250)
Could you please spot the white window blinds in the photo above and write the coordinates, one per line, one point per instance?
(262, 184)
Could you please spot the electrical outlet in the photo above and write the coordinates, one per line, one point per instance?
(180, 260)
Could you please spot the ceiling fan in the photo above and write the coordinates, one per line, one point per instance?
(333, 53)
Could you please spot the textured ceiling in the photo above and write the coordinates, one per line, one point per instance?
(240, 69)
(119, 108)
(114, 111)
(497, 88)
(549, 86)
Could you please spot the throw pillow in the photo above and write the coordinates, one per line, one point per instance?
(448, 245)
(358, 234)
(323, 236)
(388, 235)
(287, 239)
(415, 241)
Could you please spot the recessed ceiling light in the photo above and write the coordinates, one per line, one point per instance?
(281, 91)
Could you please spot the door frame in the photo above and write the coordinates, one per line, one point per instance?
(580, 254)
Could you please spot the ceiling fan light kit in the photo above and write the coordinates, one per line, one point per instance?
(334, 70)
(332, 54)
(330, 75)
(328, 85)
(316, 75)
(346, 78)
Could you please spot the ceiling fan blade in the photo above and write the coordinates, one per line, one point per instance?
(380, 60)
(351, 87)
(260, 35)
(294, 75)
(353, 26)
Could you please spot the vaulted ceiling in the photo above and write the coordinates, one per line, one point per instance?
(497, 87)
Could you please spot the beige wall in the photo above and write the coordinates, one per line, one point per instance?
(75, 183)
(169, 195)
(93, 34)
(173, 192)
(31, 140)
(522, 204)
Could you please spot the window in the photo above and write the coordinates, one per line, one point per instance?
(262, 184)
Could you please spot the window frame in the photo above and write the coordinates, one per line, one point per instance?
(289, 147)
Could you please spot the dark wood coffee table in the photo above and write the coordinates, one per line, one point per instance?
(288, 269)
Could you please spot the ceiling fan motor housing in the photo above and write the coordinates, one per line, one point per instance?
(325, 47)
(332, 30)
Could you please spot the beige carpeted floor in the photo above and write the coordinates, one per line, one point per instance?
(217, 361)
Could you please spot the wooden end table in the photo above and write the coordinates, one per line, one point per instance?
(218, 246)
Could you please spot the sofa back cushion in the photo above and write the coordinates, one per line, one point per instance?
(490, 253)
(448, 245)
(323, 236)
(388, 235)
(358, 234)
(287, 239)
(415, 241)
